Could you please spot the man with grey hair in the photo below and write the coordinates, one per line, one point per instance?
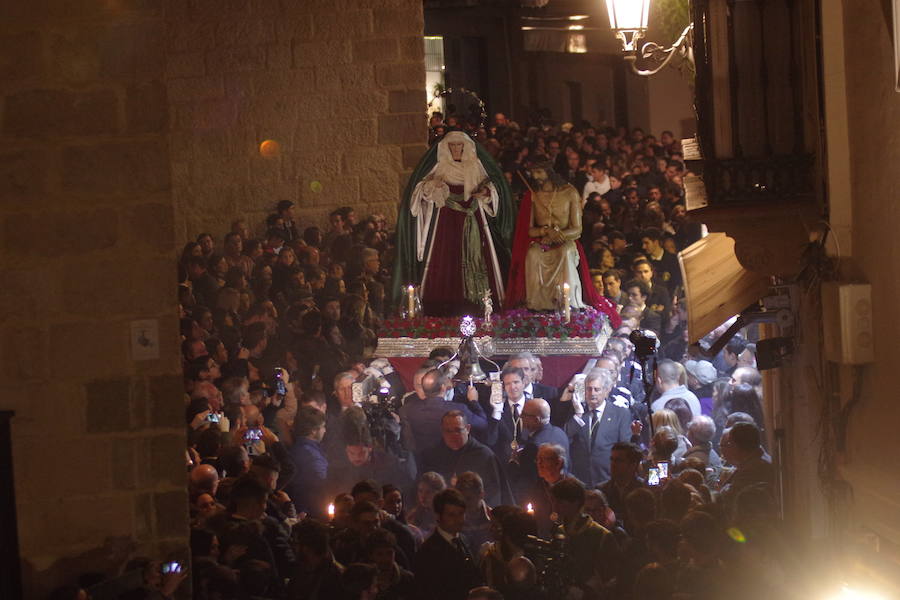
(551, 469)
(595, 428)
(529, 363)
(668, 383)
(701, 431)
(538, 374)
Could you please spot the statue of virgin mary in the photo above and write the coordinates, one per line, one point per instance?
(454, 229)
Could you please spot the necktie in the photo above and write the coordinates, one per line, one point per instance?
(516, 420)
(460, 547)
(595, 420)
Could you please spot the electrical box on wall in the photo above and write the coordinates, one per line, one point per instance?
(847, 323)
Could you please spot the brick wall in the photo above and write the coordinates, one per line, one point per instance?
(339, 85)
(87, 237)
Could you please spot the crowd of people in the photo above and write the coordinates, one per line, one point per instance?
(301, 489)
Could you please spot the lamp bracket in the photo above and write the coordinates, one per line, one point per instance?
(655, 52)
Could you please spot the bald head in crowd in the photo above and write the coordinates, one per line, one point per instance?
(434, 383)
(668, 374)
(204, 480)
(540, 409)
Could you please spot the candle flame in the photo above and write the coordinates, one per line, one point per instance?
(331, 510)
(530, 508)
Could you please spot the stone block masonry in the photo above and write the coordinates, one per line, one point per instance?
(87, 245)
(336, 84)
(125, 128)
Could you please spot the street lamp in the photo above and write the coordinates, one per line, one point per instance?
(629, 19)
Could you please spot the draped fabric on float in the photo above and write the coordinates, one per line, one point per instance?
(408, 269)
(515, 286)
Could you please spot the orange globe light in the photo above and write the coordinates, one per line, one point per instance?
(269, 149)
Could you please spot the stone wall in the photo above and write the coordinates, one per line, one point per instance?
(86, 229)
(126, 126)
(337, 85)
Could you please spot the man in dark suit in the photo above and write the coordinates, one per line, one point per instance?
(531, 367)
(508, 435)
(593, 433)
(536, 421)
(445, 567)
(460, 452)
(664, 263)
(551, 467)
(659, 298)
(420, 420)
(639, 308)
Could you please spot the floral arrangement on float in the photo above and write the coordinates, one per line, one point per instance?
(519, 323)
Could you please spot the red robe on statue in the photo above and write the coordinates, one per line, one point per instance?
(515, 287)
(443, 290)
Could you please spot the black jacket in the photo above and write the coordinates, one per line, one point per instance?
(476, 457)
(442, 572)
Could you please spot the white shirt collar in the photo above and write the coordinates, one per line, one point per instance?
(600, 409)
(520, 403)
(529, 390)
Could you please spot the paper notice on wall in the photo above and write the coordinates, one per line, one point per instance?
(145, 339)
(690, 148)
(694, 192)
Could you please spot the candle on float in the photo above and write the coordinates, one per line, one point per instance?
(331, 511)
(529, 508)
(411, 300)
(567, 305)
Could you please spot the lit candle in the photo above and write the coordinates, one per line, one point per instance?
(331, 511)
(567, 308)
(411, 300)
(529, 508)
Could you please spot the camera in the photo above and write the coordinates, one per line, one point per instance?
(253, 435)
(171, 567)
(645, 343)
(653, 476)
(280, 388)
(213, 417)
(550, 558)
(372, 392)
